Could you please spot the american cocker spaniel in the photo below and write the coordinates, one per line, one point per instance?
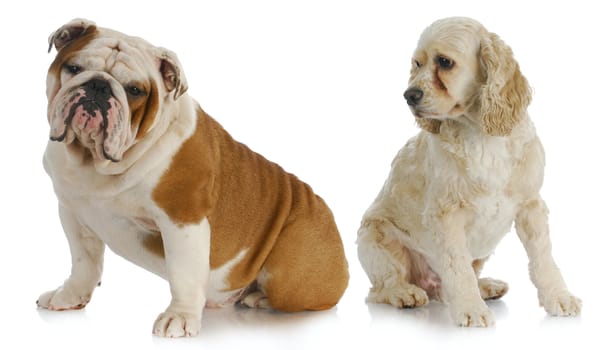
(456, 188)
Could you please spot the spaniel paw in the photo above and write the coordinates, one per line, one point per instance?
(479, 316)
(176, 324)
(402, 296)
(562, 304)
(63, 298)
(492, 288)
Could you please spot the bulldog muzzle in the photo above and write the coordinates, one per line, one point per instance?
(91, 114)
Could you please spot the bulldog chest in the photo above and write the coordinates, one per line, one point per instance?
(136, 238)
(125, 227)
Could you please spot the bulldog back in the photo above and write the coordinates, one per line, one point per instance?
(253, 206)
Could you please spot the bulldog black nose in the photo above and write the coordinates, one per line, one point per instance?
(413, 96)
(97, 88)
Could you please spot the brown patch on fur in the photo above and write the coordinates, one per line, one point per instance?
(65, 54)
(151, 241)
(253, 205)
(144, 110)
(154, 244)
(307, 266)
(186, 190)
(477, 266)
(438, 82)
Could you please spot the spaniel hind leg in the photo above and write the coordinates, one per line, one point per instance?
(387, 263)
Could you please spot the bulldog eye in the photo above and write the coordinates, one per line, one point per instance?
(73, 69)
(134, 91)
(445, 63)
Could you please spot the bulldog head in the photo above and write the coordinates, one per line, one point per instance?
(106, 90)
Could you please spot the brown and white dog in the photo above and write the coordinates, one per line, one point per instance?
(455, 189)
(138, 166)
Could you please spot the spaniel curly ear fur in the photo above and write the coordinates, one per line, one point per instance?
(506, 94)
(431, 125)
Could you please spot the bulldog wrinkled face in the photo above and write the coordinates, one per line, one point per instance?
(444, 75)
(101, 97)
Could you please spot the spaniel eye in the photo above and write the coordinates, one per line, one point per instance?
(134, 91)
(445, 63)
(418, 64)
(73, 69)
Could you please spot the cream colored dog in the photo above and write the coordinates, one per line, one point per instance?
(456, 188)
(137, 165)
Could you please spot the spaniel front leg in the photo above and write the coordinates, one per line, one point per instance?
(533, 229)
(187, 257)
(452, 261)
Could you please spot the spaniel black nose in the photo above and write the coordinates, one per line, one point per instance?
(413, 96)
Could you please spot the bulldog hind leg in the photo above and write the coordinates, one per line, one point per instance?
(255, 300)
(306, 269)
(87, 252)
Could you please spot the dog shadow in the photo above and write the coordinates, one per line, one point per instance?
(62, 317)
(435, 314)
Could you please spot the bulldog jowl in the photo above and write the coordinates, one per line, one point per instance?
(93, 116)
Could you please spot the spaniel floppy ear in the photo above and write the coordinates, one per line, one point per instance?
(505, 94)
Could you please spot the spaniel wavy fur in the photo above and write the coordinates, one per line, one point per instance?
(455, 189)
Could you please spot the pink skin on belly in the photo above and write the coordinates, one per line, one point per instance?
(424, 277)
(431, 283)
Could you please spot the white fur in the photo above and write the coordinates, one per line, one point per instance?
(187, 251)
(218, 287)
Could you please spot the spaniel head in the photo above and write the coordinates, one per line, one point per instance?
(462, 72)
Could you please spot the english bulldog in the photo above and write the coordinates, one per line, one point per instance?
(138, 166)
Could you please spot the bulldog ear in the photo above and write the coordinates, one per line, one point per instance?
(172, 73)
(69, 32)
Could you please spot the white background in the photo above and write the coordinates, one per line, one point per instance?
(315, 86)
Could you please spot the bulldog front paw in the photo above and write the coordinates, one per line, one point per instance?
(562, 304)
(478, 316)
(176, 324)
(63, 298)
